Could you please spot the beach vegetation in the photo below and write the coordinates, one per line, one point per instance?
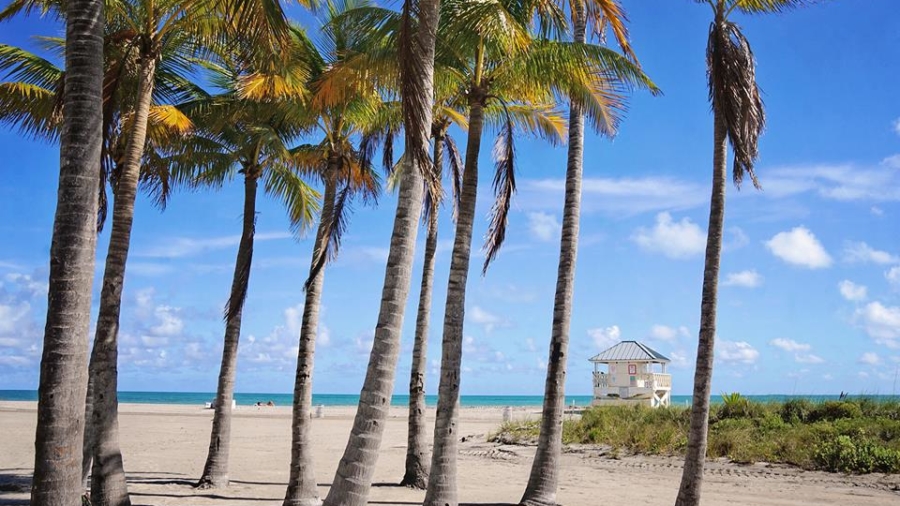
(847, 436)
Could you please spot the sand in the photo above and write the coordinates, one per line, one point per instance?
(164, 447)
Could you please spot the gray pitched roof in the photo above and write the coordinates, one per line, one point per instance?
(627, 351)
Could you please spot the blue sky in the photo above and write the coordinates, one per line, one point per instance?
(809, 300)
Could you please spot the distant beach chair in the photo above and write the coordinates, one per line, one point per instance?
(507, 414)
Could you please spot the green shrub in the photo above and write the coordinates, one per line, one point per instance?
(846, 455)
(848, 436)
(834, 410)
(795, 411)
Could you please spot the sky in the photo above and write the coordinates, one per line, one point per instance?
(809, 298)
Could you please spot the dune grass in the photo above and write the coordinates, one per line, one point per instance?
(850, 436)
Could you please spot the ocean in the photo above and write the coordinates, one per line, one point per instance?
(249, 399)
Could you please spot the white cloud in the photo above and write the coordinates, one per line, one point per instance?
(789, 345)
(737, 240)
(881, 322)
(746, 279)
(799, 247)
(169, 324)
(605, 337)
(736, 352)
(543, 226)
(20, 335)
(666, 333)
(679, 359)
(893, 276)
(14, 361)
(176, 247)
(27, 284)
(870, 358)
(12, 315)
(324, 336)
(876, 211)
(681, 239)
(800, 350)
(486, 319)
(148, 269)
(375, 254)
(847, 182)
(808, 358)
(896, 126)
(863, 253)
(851, 291)
(617, 196)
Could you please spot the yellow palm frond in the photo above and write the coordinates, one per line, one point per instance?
(170, 118)
(268, 87)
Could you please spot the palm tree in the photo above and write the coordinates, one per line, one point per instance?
(417, 456)
(738, 118)
(543, 480)
(131, 59)
(237, 136)
(31, 104)
(353, 477)
(63, 380)
(504, 66)
(345, 172)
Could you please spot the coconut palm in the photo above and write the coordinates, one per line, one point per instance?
(31, 104)
(131, 59)
(236, 136)
(418, 463)
(507, 67)
(344, 171)
(738, 119)
(353, 477)
(63, 379)
(543, 480)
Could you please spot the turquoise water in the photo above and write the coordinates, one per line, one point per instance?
(246, 399)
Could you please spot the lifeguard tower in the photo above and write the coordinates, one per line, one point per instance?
(631, 378)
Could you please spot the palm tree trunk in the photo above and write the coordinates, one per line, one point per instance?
(417, 463)
(544, 478)
(108, 486)
(692, 476)
(302, 489)
(354, 473)
(215, 471)
(442, 490)
(63, 379)
(353, 477)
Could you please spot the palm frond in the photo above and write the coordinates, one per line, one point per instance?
(298, 198)
(17, 64)
(334, 226)
(27, 7)
(735, 95)
(609, 15)
(546, 121)
(767, 6)
(35, 111)
(455, 162)
(504, 188)
(417, 90)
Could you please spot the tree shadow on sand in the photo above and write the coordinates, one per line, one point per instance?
(15, 483)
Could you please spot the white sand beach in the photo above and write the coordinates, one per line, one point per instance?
(164, 448)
